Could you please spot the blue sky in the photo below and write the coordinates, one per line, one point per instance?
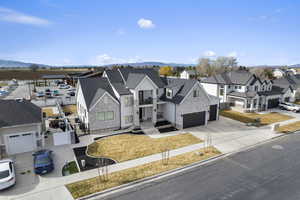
(102, 32)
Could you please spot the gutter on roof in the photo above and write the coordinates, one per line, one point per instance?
(15, 126)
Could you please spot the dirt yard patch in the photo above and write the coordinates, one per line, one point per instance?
(90, 186)
(265, 119)
(289, 128)
(70, 108)
(50, 112)
(129, 146)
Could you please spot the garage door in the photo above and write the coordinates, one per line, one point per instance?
(20, 143)
(273, 103)
(213, 112)
(193, 119)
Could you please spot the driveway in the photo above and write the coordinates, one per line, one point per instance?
(228, 135)
(27, 181)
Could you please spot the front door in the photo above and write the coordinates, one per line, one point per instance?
(141, 114)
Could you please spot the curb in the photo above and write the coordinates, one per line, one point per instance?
(177, 170)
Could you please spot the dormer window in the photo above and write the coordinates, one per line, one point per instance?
(169, 93)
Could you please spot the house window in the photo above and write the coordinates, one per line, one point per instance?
(105, 116)
(128, 119)
(169, 93)
(247, 88)
(240, 87)
(222, 90)
(128, 101)
(196, 93)
(229, 86)
(256, 88)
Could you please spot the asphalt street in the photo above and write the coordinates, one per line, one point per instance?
(269, 172)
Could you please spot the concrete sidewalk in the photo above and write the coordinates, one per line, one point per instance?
(227, 136)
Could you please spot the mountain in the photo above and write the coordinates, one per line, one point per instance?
(18, 64)
(295, 66)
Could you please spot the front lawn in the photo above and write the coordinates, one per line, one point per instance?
(289, 128)
(265, 119)
(90, 186)
(130, 146)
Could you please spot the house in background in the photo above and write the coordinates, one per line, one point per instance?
(278, 73)
(292, 81)
(21, 126)
(188, 74)
(127, 97)
(246, 92)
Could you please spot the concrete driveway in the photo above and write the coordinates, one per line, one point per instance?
(27, 181)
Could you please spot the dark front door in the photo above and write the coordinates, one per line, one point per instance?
(273, 103)
(141, 114)
(213, 112)
(287, 99)
(193, 119)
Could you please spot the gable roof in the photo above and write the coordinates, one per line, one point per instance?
(19, 112)
(239, 77)
(134, 79)
(181, 87)
(151, 73)
(94, 88)
(293, 80)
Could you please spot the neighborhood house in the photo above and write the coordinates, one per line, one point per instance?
(21, 126)
(127, 97)
(246, 92)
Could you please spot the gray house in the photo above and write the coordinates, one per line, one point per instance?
(128, 97)
(21, 126)
(246, 92)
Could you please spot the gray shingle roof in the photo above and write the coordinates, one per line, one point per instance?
(134, 79)
(293, 80)
(18, 112)
(180, 88)
(151, 73)
(240, 77)
(94, 88)
(114, 76)
(243, 94)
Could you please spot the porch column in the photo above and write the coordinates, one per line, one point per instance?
(251, 104)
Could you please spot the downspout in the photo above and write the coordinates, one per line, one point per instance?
(175, 114)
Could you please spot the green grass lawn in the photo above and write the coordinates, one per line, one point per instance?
(71, 167)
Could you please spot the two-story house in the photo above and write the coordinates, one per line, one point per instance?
(129, 97)
(246, 92)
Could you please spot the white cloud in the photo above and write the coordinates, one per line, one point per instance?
(209, 53)
(105, 59)
(9, 15)
(233, 54)
(67, 61)
(145, 23)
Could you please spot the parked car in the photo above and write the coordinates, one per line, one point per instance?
(289, 107)
(59, 82)
(7, 174)
(64, 86)
(71, 94)
(43, 162)
(55, 93)
(40, 94)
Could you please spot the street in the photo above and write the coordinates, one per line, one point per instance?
(270, 171)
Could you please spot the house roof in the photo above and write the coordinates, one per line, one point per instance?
(181, 87)
(293, 80)
(239, 77)
(114, 76)
(243, 94)
(94, 88)
(19, 112)
(54, 76)
(134, 79)
(151, 73)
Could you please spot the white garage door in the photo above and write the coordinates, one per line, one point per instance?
(20, 143)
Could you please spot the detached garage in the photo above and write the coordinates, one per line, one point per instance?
(20, 126)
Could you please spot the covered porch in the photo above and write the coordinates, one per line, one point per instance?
(242, 104)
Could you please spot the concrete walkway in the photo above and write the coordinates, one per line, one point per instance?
(227, 136)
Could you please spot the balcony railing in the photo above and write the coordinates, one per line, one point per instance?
(146, 101)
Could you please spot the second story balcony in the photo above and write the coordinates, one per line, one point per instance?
(149, 100)
(145, 97)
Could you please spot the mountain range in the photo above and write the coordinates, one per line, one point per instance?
(18, 64)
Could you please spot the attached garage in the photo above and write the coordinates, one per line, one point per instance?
(273, 103)
(213, 110)
(19, 143)
(193, 119)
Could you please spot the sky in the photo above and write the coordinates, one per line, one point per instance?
(99, 32)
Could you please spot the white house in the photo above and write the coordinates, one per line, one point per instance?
(21, 127)
(246, 92)
(188, 74)
(279, 73)
(128, 97)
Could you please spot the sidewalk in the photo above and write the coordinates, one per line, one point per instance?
(223, 138)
